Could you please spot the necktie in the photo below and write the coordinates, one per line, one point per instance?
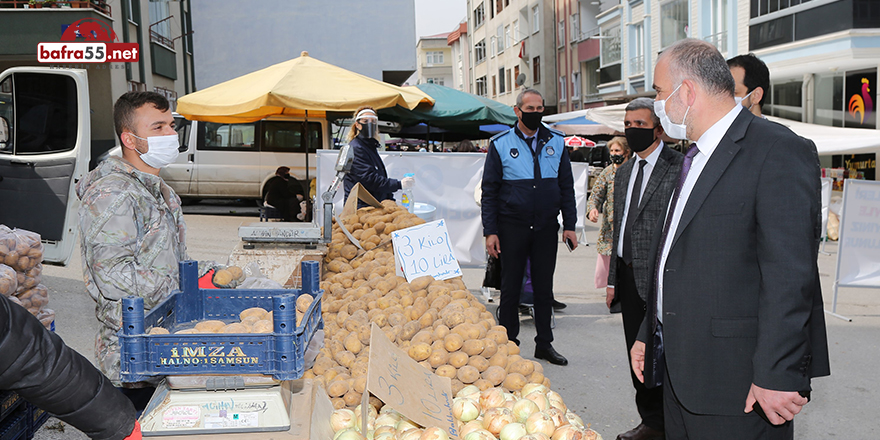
(530, 141)
(631, 215)
(656, 368)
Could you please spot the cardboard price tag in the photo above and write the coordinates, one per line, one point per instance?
(425, 250)
(407, 387)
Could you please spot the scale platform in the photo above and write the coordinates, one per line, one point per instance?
(216, 405)
(280, 232)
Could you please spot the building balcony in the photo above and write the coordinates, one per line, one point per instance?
(637, 65)
(98, 5)
(719, 40)
(24, 25)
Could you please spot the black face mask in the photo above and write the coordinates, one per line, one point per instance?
(639, 139)
(617, 159)
(368, 130)
(532, 120)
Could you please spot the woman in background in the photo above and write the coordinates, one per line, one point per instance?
(602, 194)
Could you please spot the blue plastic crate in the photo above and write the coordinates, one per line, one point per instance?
(279, 354)
(9, 402)
(36, 417)
(15, 426)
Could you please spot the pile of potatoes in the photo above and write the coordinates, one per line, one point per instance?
(252, 320)
(439, 323)
(21, 267)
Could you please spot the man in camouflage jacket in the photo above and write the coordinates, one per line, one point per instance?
(131, 224)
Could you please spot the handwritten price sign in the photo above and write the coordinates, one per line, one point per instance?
(425, 250)
(408, 387)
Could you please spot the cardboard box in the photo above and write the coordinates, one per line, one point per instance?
(280, 262)
(310, 411)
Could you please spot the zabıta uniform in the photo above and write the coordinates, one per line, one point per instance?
(525, 186)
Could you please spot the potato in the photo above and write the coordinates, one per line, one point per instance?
(458, 359)
(468, 374)
(423, 336)
(499, 359)
(453, 342)
(409, 330)
(420, 351)
(490, 348)
(536, 377)
(159, 331)
(499, 336)
(345, 358)
(494, 374)
(222, 277)
(235, 327)
(512, 348)
(438, 358)
(479, 362)
(482, 384)
(352, 343)
(360, 384)
(338, 388)
(514, 382)
(473, 347)
(524, 367)
(258, 312)
(421, 282)
(446, 371)
(303, 302)
(210, 326)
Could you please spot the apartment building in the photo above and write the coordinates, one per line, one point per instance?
(434, 60)
(513, 45)
(461, 57)
(162, 30)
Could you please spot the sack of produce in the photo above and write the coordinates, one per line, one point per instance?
(23, 252)
(8, 281)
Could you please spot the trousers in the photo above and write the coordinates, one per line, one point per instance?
(539, 246)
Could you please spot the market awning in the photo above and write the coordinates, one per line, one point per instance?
(452, 110)
(292, 88)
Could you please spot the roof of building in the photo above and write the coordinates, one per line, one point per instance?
(436, 37)
(457, 33)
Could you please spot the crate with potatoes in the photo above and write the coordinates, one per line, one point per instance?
(442, 326)
(221, 331)
(21, 268)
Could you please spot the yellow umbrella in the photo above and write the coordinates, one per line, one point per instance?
(301, 86)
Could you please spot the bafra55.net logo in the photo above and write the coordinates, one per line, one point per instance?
(89, 40)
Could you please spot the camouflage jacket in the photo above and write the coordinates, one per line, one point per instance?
(132, 237)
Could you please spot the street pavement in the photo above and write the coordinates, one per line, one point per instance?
(596, 384)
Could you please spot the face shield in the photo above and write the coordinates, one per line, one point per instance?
(369, 123)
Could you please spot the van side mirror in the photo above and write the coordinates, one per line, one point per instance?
(4, 133)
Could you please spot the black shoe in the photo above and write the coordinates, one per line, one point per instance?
(550, 355)
(558, 305)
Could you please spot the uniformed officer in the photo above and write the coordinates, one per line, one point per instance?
(527, 181)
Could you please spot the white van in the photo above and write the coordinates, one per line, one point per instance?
(221, 160)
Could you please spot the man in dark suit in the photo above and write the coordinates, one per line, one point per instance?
(735, 319)
(642, 189)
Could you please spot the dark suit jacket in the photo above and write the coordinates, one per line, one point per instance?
(742, 302)
(652, 206)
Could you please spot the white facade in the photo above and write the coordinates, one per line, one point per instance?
(459, 43)
(434, 65)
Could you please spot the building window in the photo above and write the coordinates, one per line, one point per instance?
(787, 102)
(718, 36)
(494, 42)
(575, 85)
(499, 6)
(764, 7)
(479, 16)
(828, 100)
(516, 75)
(134, 86)
(560, 34)
(508, 41)
(160, 32)
(673, 22)
(480, 51)
(494, 85)
(562, 88)
(435, 57)
(516, 35)
(536, 70)
(437, 81)
(610, 48)
(501, 83)
(500, 38)
(637, 49)
(481, 86)
(575, 27)
(491, 9)
(509, 82)
(130, 10)
(536, 19)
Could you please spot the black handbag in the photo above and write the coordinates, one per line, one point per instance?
(493, 273)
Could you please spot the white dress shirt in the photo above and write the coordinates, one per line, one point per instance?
(646, 176)
(706, 145)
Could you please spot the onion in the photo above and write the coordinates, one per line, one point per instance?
(574, 419)
(384, 436)
(556, 401)
(540, 423)
(371, 422)
(465, 409)
(496, 418)
(523, 408)
(568, 432)
(411, 434)
(540, 399)
(535, 436)
(532, 387)
(342, 419)
(513, 431)
(492, 398)
(589, 434)
(467, 391)
(434, 433)
(471, 426)
(371, 410)
(479, 434)
(557, 416)
(382, 430)
(405, 424)
(387, 420)
(348, 434)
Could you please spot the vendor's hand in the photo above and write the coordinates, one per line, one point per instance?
(493, 246)
(637, 353)
(593, 216)
(407, 182)
(609, 296)
(572, 237)
(779, 406)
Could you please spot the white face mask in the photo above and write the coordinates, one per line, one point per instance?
(675, 131)
(163, 150)
(740, 100)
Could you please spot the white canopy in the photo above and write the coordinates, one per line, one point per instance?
(829, 140)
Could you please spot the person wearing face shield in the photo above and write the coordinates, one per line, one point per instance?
(527, 182)
(132, 233)
(642, 187)
(367, 167)
(752, 80)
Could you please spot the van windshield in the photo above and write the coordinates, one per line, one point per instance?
(229, 136)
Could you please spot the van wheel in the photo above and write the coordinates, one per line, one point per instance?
(187, 201)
